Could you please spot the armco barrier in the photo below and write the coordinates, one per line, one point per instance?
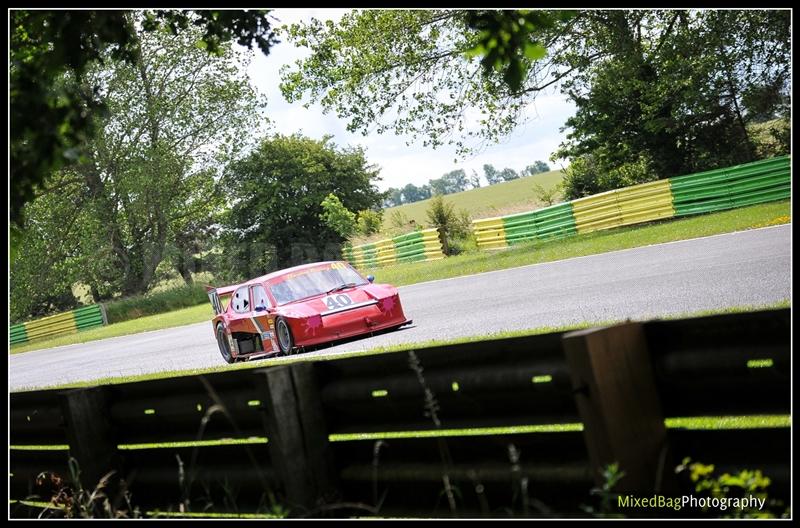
(738, 186)
(59, 324)
(352, 430)
(411, 247)
(717, 190)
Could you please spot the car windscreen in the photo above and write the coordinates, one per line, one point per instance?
(314, 281)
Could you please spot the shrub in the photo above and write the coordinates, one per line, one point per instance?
(369, 222)
(592, 174)
(337, 216)
(546, 196)
(454, 227)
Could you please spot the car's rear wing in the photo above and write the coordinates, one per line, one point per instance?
(214, 296)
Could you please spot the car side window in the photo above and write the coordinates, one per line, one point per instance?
(241, 300)
(260, 298)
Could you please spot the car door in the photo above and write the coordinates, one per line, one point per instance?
(240, 311)
(263, 317)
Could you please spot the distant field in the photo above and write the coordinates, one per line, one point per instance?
(495, 200)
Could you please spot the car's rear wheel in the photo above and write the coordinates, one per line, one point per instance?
(285, 339)
(224, 346)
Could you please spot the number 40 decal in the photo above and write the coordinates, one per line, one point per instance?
(337, 301)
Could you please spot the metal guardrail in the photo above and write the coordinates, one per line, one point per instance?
(336, 431)
(731, 187)
(410, 247)
(64, 323)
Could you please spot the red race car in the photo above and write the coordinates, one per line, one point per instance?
(299, 307)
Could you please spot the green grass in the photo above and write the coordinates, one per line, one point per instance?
(494, 200)
(157, 301)
(395, 348)
(589, 244)
(184, 316)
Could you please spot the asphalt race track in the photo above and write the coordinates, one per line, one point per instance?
(736, 269)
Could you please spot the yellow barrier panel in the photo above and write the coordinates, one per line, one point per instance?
(645, 202)
(431, 244)
(600, 211)
(63, 323)
(386, 252)
(490, 233)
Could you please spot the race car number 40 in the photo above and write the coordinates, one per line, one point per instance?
(337, 301)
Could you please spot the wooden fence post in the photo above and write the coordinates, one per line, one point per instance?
(298, 436)
(615, 392)
(91, 439)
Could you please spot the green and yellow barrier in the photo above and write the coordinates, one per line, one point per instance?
(728, 188)
(59, 324)
(411, 247)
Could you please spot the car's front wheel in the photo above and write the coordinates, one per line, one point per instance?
(224, 345)
(285, 340)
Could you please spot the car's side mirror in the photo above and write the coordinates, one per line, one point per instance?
(371, 278)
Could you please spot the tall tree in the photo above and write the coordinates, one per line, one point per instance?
(412, 193)
(508, 174)
(491, 174)
(146, 187)
(394, 197)
(537, 167)
(50, 120)
(276, 194)
(669, 85)
(475, 179)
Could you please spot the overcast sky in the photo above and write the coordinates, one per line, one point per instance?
(400, 163)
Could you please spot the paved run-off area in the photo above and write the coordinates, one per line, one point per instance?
(748, 268)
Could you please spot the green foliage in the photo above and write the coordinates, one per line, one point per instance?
(536, 168)
(408, 71)
(454, 227)
(771, 138)
(672, 85)
(145, 190)
(452, 182)
(547, 196)
(605, 493)
(677, 87)
(399, 223)
(337, 217)
(744, 484)
(369, 222)
(592, 174)
(508, 40)
(52, 120)
(155, 303)
(276, 194)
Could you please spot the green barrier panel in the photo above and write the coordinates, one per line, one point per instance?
(747, 184)
(552, 222)
(555, 221)
(370, 255)
(17, 334)
(410, 247)
(89, 317)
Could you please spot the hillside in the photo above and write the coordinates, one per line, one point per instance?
(495, 200)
